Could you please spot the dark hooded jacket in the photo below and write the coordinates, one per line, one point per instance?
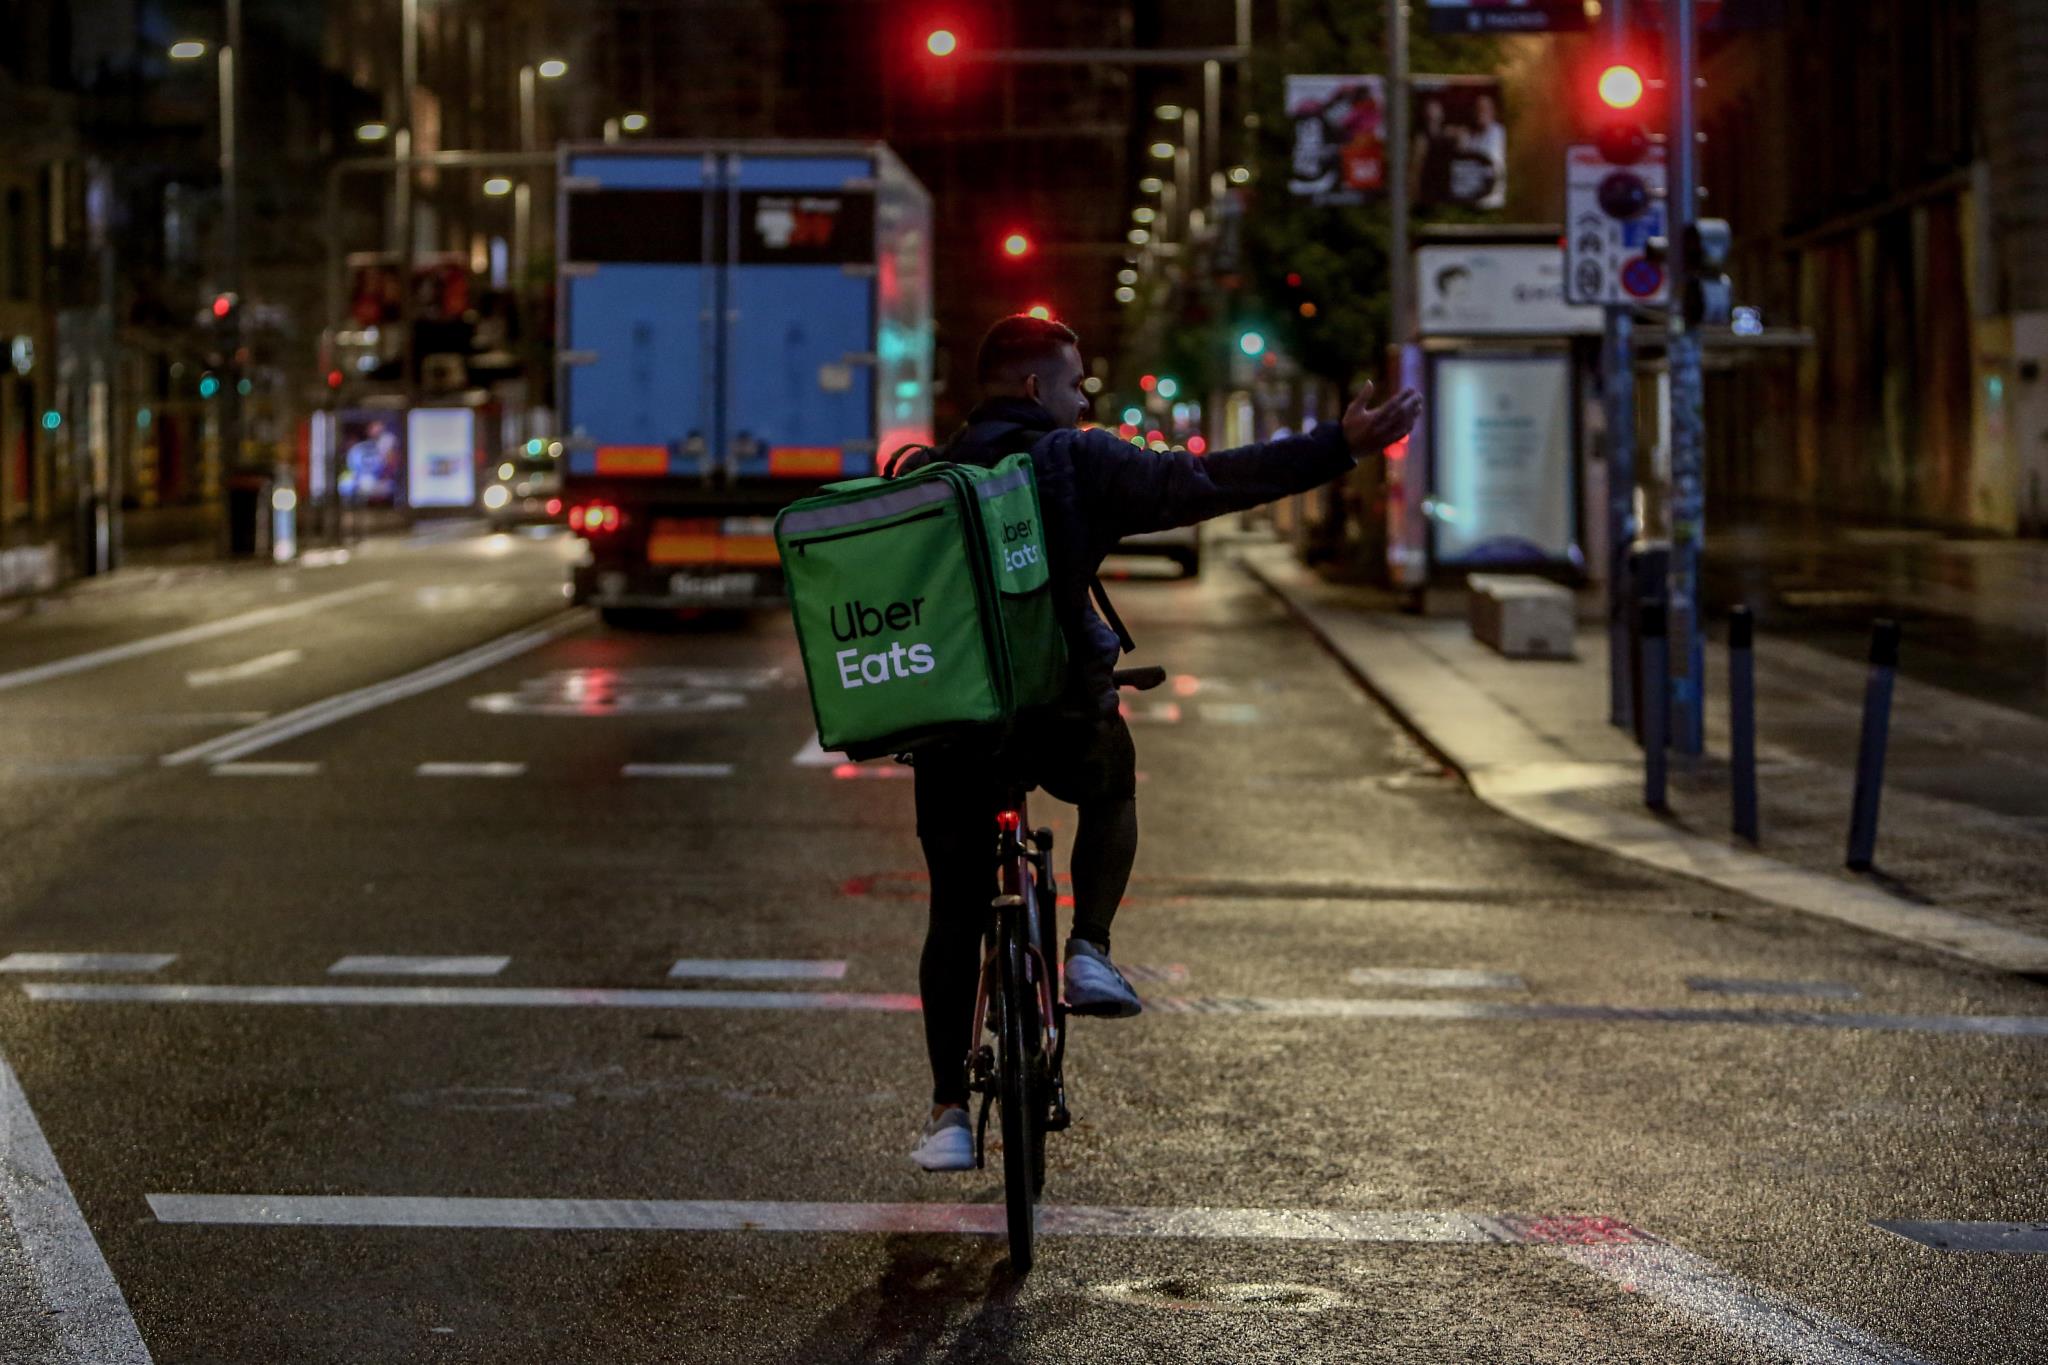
(1095, 489)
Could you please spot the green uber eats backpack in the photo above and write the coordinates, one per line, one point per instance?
(923, 604)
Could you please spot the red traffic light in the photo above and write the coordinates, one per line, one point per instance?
(941, 42)
(1016, 246)
(223, 304)
(1620, 86)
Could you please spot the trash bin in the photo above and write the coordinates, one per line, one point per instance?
(248, 514)
(1649, 564)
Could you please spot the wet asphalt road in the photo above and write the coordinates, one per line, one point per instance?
(1666, 1174)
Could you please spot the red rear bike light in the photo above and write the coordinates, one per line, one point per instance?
(1009, 820)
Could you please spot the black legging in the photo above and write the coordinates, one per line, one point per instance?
(956, 850)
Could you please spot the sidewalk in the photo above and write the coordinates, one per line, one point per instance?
(1963, 837)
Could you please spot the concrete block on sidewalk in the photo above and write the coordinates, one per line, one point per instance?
(27, 569)
(1522, 617)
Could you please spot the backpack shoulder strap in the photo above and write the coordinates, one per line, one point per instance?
(901, 453)
(1116, 623)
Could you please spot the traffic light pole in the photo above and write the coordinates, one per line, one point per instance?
(1618, 393)
(1688, 436)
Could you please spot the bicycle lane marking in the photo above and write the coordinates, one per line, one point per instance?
(88, 1312)
(343, 706)
(206, 630)
(1680, 1283)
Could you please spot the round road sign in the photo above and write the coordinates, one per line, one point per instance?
(1641, 276)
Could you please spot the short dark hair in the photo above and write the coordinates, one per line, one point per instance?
(1020, 345)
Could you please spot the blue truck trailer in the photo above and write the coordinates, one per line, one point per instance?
(737, 324)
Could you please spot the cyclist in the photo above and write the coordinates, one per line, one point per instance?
(1093, 490)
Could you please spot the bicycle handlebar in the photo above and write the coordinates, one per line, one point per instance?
(1140, 679)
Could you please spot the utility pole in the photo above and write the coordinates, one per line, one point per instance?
(1619, 395)
(1397, 172)
(230, 62)
(409, 76)
(1688, 436)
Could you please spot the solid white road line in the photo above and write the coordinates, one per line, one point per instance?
(2022, 1239)
(1735, 985)
(209, 630)
(370, 964)
(760, 969)
(251, 668)
(680, 1215)
(1486, 1011)
(87, 1313)
(1436, 978)
(1692, 1287)
(276, 730)
(676, 770)
(259, 768)
(86, 962)
(469, 769)
(106, 765)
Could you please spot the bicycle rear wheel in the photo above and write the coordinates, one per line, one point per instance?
(1023, 1126)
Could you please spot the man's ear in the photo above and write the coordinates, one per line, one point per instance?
(1031, 386)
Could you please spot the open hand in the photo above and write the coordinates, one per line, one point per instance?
(1370, 430)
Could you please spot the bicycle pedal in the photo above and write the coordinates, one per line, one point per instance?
(1060, 1121)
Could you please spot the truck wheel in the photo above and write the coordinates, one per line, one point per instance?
(625, 618)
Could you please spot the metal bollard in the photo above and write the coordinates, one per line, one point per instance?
(1653, 711)
(1877, 724)
(1742, 721)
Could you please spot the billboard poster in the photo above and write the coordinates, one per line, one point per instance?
(370, 446)
(1459, 148)
(1483, 290)
(1503, 474)
(1340, 153)
(1458, 153)
(1506, 16)
(441, 457)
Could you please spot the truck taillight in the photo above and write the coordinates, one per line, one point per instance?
(595, 518)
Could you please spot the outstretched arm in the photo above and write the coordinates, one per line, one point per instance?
(1140, 490)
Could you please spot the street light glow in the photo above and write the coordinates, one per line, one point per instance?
(1126, 294)
(497, 185)
(1169, 112)
(553, 68)
(1151, 184)
(1240, 175)
(1138, 236)
(372, 132)
(1143, 214)
(634, 123)
(187, 51)
(1163, 150)
(941, 43)
(1127, 276)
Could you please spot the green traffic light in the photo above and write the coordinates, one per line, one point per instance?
(1168, 386)
(1251, 343)
(52, 420)
(208, 386)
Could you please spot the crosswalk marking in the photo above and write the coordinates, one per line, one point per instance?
(760, 969)
(2016, 1239)
(371, 964)
(86, 962)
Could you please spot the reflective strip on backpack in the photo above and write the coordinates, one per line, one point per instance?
(867, 509)
(1009, 483)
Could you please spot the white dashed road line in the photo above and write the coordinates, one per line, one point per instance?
(290, 725)
(1814, 990)
(2018, 1239)
(86, 962)
(370, 964)
(249, 668)
(759, 969)
(85, 1308)
(259, 768)
(1436, 978)
(541, 997)
(209, 630)
(676, 770)
(469, 769)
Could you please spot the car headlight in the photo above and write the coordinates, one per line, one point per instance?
(496, 496)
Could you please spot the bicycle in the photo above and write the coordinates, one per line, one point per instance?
(1018, 1001)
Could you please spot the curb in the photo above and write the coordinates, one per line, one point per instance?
(1543, 800)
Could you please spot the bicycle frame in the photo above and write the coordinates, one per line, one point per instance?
(1018, 854)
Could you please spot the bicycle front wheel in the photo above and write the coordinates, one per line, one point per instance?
(1017, 1068)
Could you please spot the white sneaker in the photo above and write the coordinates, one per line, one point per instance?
(947, 1144)
(1094, 986)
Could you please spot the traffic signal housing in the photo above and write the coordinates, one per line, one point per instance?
(1622, 104)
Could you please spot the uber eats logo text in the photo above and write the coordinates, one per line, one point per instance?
(1015, 555)
(855, 620)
